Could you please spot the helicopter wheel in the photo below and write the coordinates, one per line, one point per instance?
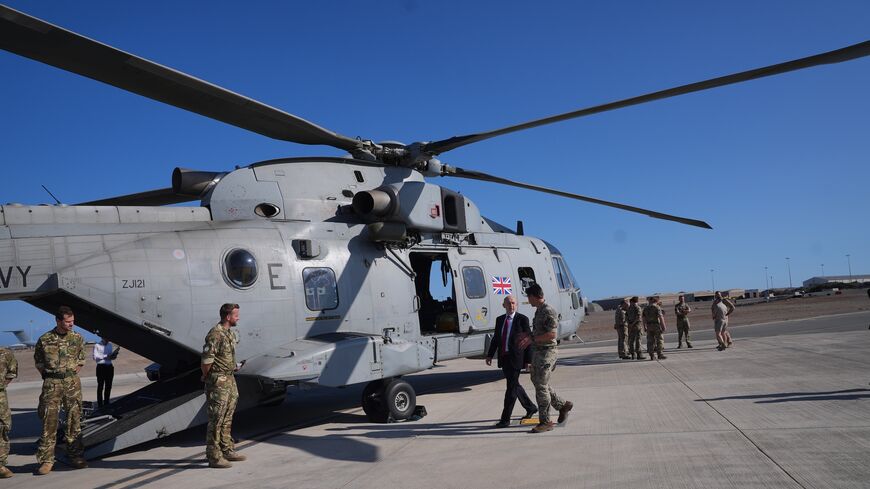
(400, 399)
(372, 402)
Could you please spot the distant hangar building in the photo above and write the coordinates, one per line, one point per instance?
(840, 279)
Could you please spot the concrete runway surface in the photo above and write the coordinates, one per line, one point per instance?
(787, 406)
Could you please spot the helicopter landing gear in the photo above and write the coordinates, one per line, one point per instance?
(389, 400)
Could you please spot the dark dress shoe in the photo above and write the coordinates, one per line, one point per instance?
(530, 413)
(502, 424)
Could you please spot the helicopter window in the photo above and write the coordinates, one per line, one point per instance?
(450, 210)
(566, 274)
(359, 176)
(527, 277)
(561, 281)
(321, 291)
(475, 286)
(240, 268)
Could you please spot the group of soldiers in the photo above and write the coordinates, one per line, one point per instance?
(631, 320)
(59, 356)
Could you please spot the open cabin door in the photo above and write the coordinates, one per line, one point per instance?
(435, 299)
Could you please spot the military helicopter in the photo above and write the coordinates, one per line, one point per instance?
(349, 270)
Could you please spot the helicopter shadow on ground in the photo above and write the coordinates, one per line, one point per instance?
(841, 395)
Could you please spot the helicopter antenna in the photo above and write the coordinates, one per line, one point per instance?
(52, 195)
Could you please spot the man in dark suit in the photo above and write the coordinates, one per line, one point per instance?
(509, 328)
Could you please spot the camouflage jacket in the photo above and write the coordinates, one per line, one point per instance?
(546, 320)
(8, 367)
(220, 350)
(619, 319)
(651, 314)
(682, 310)
(633, 314)
(59, 353)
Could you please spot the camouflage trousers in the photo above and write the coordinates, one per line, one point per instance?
(655, 342)
(621, 334)
(634, 339)
(683, 330)
(221, 395)
(5, 426)
(543, 362)
(60, 394)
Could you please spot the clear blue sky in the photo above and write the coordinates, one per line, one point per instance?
(779, 166)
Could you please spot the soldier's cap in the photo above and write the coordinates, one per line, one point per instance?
(634, 299)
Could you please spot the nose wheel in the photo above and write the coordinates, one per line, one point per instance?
(389, 400)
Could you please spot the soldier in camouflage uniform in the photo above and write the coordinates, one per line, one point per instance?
(218, 365)
(633, 317)
(682, 310)
(59, 355)
(654, 325)
(620, 324)
(8, 371)
(543, 341)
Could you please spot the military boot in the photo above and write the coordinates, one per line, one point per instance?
(219, 464)
(563, 413)
(688, 344)
(640, 356)
(542, 427)
(45, 468)
(5, 473)
(235, 457)
(662, 357)
(632, 356)
(679, 345)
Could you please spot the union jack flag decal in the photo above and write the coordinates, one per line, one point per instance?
(501, 285)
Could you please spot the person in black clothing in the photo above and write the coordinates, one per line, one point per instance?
(510, 328)
(104, 353)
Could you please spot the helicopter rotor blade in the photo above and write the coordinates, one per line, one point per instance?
(484, 177)
(38, 40)
(837, 56)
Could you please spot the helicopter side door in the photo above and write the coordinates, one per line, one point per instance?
(472, 281)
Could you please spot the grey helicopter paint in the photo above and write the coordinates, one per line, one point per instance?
(348, 270)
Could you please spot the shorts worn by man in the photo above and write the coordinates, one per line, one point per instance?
(543, 341)
(654, 325)
(620, 324)
(682, 310)
(721, 309)
(8, 372)
(59, 355)
(633, 317)
(218, 366)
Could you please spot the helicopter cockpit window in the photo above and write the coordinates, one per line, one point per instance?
(561, 280)
(321, 290)
(527, 277)
(240, 268)
(566, 274)
(475, 286)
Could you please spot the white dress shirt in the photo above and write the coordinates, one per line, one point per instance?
(103, 353)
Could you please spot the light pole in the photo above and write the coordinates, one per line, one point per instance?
(788, 264)
(712, 280)
(823, 270)
(766, 286)
(771, 281)
(849, 260)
